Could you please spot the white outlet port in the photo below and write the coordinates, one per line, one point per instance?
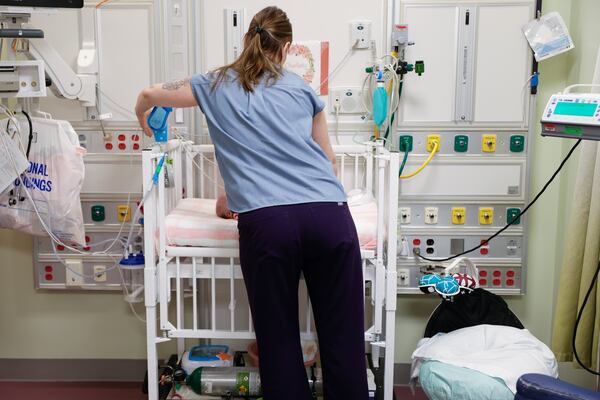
(99, 273)
(431, 215)
(346, 100)
(74, 273)
(360, 34)
(405, 215)
(404, 277)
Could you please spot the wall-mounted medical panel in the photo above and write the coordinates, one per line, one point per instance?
(468, 142)
(445, 242)
(127, 140)
(477, 63)
(501, 277)
(449, 177)
(460, 214)
(98, 239)
(89, 273)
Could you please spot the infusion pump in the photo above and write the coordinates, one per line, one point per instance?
(572, 115)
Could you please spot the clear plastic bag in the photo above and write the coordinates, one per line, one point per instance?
(53, 179)
(548, 36)
(12, 161)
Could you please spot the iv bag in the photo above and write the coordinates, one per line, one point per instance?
(548, 36)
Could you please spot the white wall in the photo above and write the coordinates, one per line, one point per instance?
(311, 20)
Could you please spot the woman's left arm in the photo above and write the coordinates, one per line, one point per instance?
(320, 134)
(176, 94)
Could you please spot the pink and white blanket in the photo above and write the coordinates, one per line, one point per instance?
(194, 223)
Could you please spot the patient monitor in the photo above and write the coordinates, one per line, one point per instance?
(572, 115)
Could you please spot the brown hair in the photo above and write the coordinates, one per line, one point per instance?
(269, 31)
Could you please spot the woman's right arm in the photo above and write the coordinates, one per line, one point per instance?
(176, 94)
(320, 134)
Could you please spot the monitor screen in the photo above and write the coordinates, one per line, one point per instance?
(576, 109)
(43, 3)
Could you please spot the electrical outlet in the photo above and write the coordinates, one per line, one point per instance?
(74, 273)
(431, 215)
(513, 214)
(488, 143)
(405, 215)
(406, 143)
(431, 140)
(99, 273)
(346, 100)
(459, 215)
(124, 213)
(486, 215)
(517, 143)
(461, 143)
(404, 277)
(360, 34)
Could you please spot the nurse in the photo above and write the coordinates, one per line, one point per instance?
(272, 146)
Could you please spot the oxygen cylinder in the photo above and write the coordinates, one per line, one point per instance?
(237, 381)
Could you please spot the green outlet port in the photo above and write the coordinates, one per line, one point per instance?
(98, 213)
(517, 143)
(513, 213)
(461, 143)
(406, 143)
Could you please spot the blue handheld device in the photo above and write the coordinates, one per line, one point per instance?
(158, 123)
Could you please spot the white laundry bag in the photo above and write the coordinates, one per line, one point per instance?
(53, 179)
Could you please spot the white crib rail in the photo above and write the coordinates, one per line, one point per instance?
(211, 279)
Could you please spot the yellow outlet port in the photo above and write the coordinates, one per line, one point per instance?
(488, 143)
(124, 213)
(431, 140)
(459, 215)
(486, 216)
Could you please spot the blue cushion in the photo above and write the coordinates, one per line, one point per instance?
(543, 387)
(447, 382)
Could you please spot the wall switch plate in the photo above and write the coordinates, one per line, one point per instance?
(403, 277)
(431, 139)
(406, 143)
(360, 34)
(488, 143)
(74, 273)
(513, 213)
(459, 215)
(405, 215)
(346, 100)
(461, 143)
(431, 215)
(486, 215)
(124, 213)
(99, 273)
(517, 143)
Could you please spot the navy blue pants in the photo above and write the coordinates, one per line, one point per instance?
(319, 240)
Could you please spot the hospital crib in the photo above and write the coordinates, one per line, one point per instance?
(194, 292)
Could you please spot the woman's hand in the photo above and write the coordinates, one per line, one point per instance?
(176, 94)
(143, 120)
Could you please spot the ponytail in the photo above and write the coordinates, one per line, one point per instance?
(268, 33)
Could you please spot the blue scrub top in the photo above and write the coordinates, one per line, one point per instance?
(263, 142)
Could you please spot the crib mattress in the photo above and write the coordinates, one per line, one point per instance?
(194, 223)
